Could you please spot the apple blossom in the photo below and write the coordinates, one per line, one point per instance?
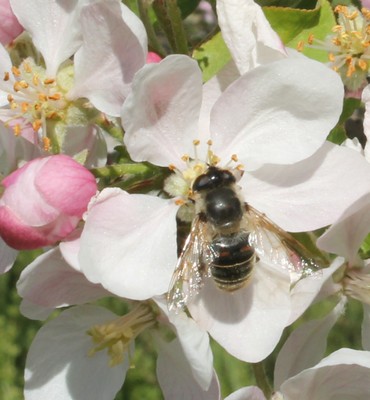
(348, 46)
(128, 242)
(10, 27)
(342, 375)
(85, 353)
(53, 98)
(43, 201)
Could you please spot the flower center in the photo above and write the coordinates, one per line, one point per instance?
(179, 183)
(348, 46)
(116, 336)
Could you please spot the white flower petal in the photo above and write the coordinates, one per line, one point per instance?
(346, 235)
(7, 257)
(33, 311)
(310, 289)
(129, 244)
(247, 393)
(248, 323)
(108, 58)
(58, 365)
(312, 193)
(248, 34)
(342, 375)
(161, 114)
(50, 282)
(278, 113)
(53, 26)
(175, 376)
(305, 346)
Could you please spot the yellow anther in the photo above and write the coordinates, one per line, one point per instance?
(6, 76)
(25, 106)
(13, 105)
(17, 129)
(234, 157)
(16, 71)
(196, 142)
(240, 167)
(209, 142)
(331, 57)
(172, 167)
(55, 96)
(35, 80)
(300, 45)
(49, 81)
(10, 98)
(27, 67)
(362, 64)
(310, 38)
(179, 202)
(46, 143)
(36, 125)
(42, 97)
(185, 157)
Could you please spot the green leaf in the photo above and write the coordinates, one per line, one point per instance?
(322, 29)
(305, 4)
(290, 22)
(187, 7)
(212, 56)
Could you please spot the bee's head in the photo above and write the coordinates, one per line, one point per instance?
(214, 177)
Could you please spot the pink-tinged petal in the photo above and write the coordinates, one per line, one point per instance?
(312, 193)
(70, 248)
(161, 114)
(278, 113)
(5, 67)
(7, 257)
(25, 237)
(366, 101)
(85, 142)
(10, 27)
(248, 323)
(248, 34)
(66, 185)
(108, 58)
(153, 58)
(33, 311)
(54, 28)
(345, 236)
(175, 376)
(129, 244)
(342, 375)
(305, 346)
(58, 365)
(51, 283)
(314, 288)
(212, 90)
(194, 343)
(247, 393)
(365, 327)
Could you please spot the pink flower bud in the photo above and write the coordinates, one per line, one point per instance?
(9, 27)
(43, 201)
(153, 58)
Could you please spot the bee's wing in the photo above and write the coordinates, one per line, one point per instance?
(191, 267)
(279, 247)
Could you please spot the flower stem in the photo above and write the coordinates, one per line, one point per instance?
(178, 30)
(261, 379)
(154, 43)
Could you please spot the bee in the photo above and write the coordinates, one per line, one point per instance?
(227, 237)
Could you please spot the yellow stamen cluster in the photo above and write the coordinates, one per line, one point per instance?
(179, 183)
(34, 97)
(348, 46)
(116, 336)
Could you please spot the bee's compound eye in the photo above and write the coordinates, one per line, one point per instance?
(203, 182)
(213, 178)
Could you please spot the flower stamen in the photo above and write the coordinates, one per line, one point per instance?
(116, 336)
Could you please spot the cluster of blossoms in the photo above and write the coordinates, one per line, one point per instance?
(101, 143)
